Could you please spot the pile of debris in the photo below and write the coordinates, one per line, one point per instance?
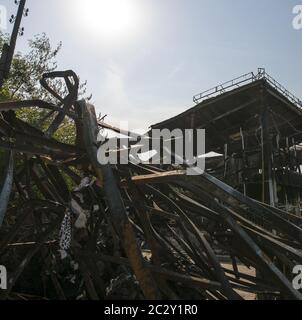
(72, 228)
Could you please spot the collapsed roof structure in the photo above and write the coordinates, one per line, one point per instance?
(256, 124)
(72, 228)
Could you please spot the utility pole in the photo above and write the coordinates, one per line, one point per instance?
(9, 49)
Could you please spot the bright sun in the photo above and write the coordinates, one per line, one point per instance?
(108, 18)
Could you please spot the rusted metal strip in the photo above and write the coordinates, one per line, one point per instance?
(117, 209)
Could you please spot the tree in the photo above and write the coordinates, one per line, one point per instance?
(23, 83)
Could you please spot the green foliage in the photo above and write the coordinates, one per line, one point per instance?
(27, 69)
(23, 84)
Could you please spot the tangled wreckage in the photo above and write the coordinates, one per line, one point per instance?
(72, 228)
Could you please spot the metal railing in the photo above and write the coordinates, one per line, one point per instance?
(246, 79)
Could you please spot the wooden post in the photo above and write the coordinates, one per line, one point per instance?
(244, 161)
(225, 160)
(268, 192)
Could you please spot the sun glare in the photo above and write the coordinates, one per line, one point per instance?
(108, 18)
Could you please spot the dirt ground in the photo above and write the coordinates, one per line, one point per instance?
(245, 270)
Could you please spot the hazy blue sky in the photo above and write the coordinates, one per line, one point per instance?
(177, 48)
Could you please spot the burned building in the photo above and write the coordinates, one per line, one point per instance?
(73, 228)
(255, 124)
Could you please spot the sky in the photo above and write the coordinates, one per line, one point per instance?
(145, 59)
